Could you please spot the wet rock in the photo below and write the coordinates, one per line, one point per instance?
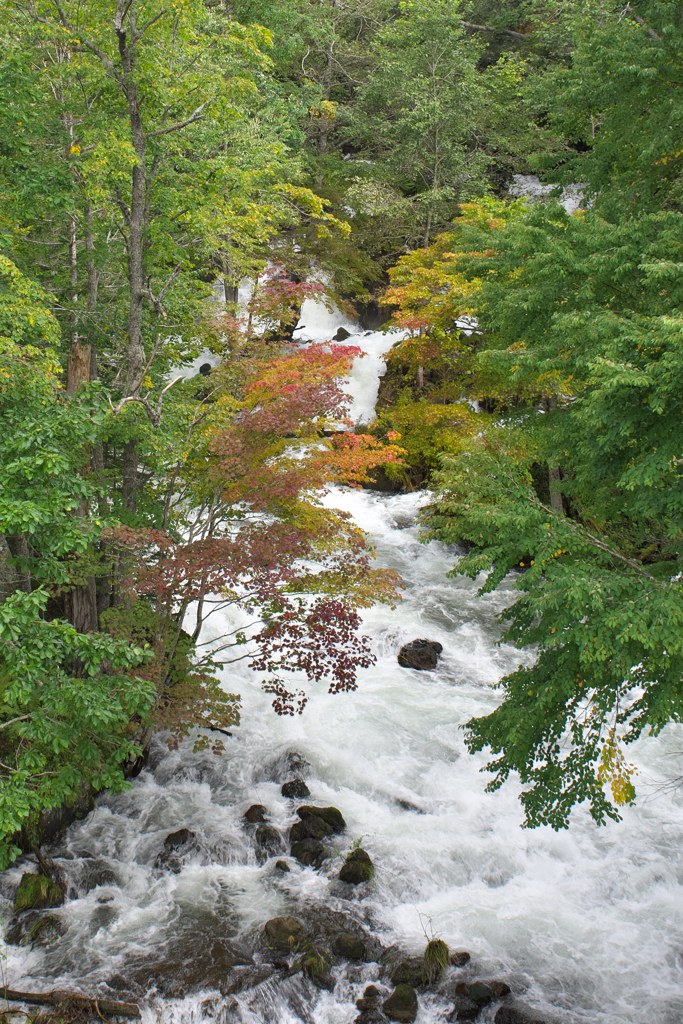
(98, 877)
(480, 994)
(349, 946)
(309, 852)
(37, 893)
(295, 790)
(459, 958)
(357, 868)
(268, 841)
(241, 978)
(312, 827)
(499, 989)
(342, 334)
(283, 932)
(518, 1013)
(34, 929)
(118, 983)
(330, 815)
(282, 865)
(175, 840)
(371, 1016)
(401, 1004)
(256, 814)
(410, 971)
(186, 965)
(422, 655)
(371, 998)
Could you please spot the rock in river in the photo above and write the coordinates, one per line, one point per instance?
(36, 892)
(295, 790)
(357, 868)
(349, 946)
(401, 1004)
(420, 654)
(284, 932)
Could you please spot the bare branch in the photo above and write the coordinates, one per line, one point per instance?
(196, 116)
(157, 301)
(490, 28)
(154, 414)
(628, 11)
(22, 718)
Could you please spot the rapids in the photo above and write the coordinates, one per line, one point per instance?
(584, 924)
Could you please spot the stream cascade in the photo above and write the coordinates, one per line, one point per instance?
(584, 925)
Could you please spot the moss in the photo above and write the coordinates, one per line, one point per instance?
(435, 959)
(357, 868)
(36, 892)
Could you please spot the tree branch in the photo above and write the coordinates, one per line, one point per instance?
(628, 10)
(154, 414)
(490, 28)
(196, 116)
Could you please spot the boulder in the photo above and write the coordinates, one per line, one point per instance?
(330, 815)
(309, 852)
(499, 988)
(312, 827)
(282, 865)
(349, 946)
(357, 868)
(283, 932)
(295, 790)
(422, 655)
(177, 839)
(36, 892)
(372, 1016)
(256, 814)
(518, 1013)
(401, 1004)
(410, 971)
(342, 334)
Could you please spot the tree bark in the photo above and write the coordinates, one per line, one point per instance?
(83, 597)
(555, 493)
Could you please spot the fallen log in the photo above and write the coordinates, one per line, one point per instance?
(57, 998)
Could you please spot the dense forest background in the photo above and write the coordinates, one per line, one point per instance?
(361, 153)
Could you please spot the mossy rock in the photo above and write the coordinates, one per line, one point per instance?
(45, 932)
(349, 946)
(282, 865)
(36, 893)
(284, 932)
(410, 971)
(309, 852)
(357, 868)
(330, 815)
(436, 960)
(311, 827)
(401, 1004)
(295, 790)
(255, 814)
(268, 837)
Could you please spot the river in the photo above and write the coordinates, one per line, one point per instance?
(585, 924)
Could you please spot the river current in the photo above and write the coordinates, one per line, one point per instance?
(585, 924)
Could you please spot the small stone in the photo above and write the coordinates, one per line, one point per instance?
(499, 989)
(295, 790)
(401, 1004)
(410, 971)
(309, 852)
(349, 946)
(255, 814)
(179, 838)
(282, 865)
(283, 932)
(357, 868)
(342, 334)
(460, 958)
(37, 893)
(422, 655)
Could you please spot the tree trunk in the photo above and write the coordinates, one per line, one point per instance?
(9, 577)
(555, 493)
(420, 376)
(83, 597)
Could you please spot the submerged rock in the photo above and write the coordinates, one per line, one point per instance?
(309, 852)
(371, 998)
(268, 841)
(100, 876)
(282, 865)
(459, 958)
(518, 1013)
(401, 1004)
(349, 946)
(34, 929)
(422, 655)
(283, 932)
(36, 892)
(357, 868)
(175, 844)
(256, 814)
(295, 790)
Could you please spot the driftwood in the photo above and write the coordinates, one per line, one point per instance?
(99, 1006)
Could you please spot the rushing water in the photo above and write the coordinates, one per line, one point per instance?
(583, 924)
